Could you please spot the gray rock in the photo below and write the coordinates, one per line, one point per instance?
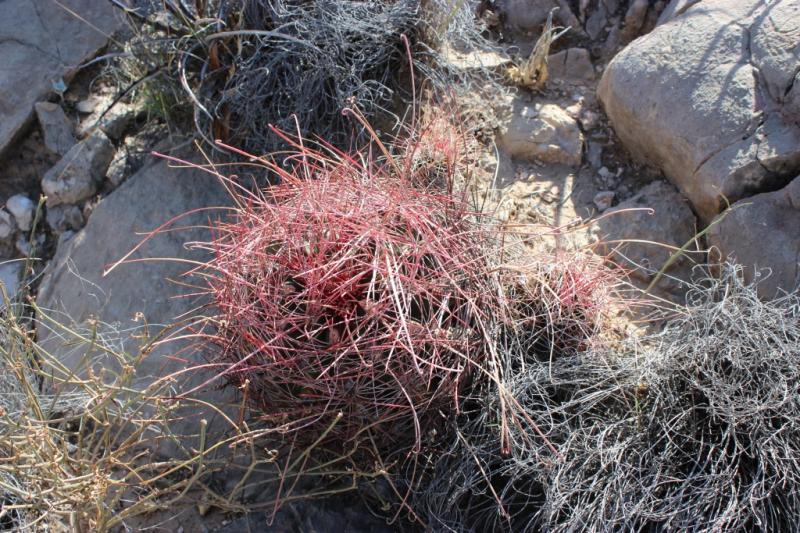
(658, 214)
(7, 226)
(544, 133)
(76, 176)
(63, 218)
(573, 65)
(597, 21)
(594, 154)
(474, 59)
(635, 19)
(56, 127)
(75, 289)
(528, 16)
(9, 278)
(41, 42)
(793, 98)
(763, 234)
(603, 199)
(23, 210)
(118, 169)
(686, 98)
(114, 122)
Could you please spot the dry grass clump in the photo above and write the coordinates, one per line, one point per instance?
(243, 65)
(78, 453)
(692, 429)
(488, 473)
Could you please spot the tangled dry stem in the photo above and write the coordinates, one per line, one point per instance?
(692, 429)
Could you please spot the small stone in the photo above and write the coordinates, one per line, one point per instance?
(597, 21)
(604, 199)
(589, 119)
(7, 225)
(114, 122)
(62, 218)
(634, 18)
(23, 209)
(86, 106)
(118, 170)
(594, 154)
(56, 127)
(605, 173)
(474, 59)
(76, 176)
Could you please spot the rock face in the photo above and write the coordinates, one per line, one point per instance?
(74, 289)
(76, 176)
(708, 98)
(658, 215)
(544, 133)
(763, 232)
(41, 42)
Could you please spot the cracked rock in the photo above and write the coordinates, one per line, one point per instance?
(763, 234)
(687, 99)
(76, 176)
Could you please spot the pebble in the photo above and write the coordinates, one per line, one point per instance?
(86, 106)
(23, 209)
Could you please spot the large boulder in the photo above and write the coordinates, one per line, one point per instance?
(763, 234)
(144, 294)
(42, 42)
(707, 97)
